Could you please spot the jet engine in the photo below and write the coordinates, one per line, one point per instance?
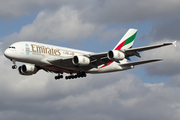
(28, 69)
(115, 55)
(81, 60)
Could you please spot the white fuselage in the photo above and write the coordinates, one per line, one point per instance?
(37, 53)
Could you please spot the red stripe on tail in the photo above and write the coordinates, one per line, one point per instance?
(120, 46)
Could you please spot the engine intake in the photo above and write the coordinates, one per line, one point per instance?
(28, 69)
(115, 55)
(81, 60)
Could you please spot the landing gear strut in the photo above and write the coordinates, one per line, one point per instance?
(14, 66)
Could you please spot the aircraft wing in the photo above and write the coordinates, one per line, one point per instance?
(95, 58)
(134, 51)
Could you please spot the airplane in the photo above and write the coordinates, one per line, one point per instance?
(77, 63)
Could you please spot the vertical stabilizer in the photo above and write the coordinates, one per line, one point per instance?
(127, 40)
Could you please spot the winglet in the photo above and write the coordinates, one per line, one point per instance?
(174, 43)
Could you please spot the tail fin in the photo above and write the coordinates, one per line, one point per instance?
(127, 40)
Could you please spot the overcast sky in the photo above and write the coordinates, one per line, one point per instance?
(148, 92)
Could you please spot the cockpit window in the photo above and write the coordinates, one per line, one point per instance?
(12, 47)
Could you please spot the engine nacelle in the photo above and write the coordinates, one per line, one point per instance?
(81, 60)
(28, 69)
(115, 55)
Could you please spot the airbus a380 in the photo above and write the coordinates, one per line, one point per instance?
(76, 62)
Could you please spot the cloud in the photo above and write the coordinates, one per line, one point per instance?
(62, 24)
(166, 29)
(65, 24)
(12, 9)
(174, 81)
(106, 96)
(103, 97)
(119, 11)
(67, 20)
(170, 64)
(109, 34)
(101, 11)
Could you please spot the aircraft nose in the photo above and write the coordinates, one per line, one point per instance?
(7, 53)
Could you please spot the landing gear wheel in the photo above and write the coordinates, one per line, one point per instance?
(58, 77)
(78, 75)
(14, 67)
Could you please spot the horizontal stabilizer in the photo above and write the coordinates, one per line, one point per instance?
(140, 62)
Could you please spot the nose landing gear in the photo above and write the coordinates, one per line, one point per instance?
(14, 66)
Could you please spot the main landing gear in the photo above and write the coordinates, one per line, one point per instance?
(14, 66)
(58, 77)
(78, 75)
